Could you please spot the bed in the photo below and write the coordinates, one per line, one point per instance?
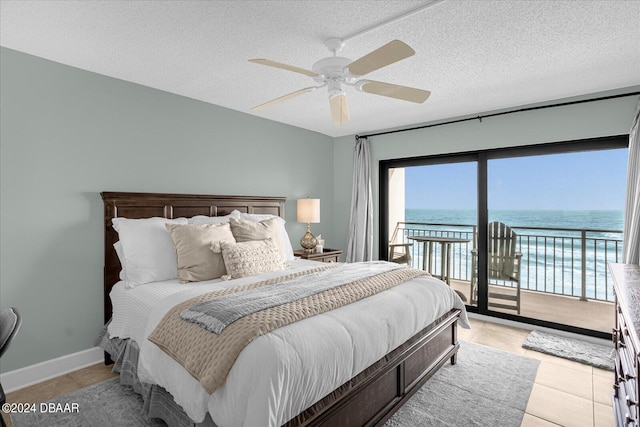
(376, 384)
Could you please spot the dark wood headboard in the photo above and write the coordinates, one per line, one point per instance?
(147, 205)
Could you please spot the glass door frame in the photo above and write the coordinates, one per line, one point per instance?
(482, 158)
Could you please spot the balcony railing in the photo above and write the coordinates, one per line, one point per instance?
(563, 261)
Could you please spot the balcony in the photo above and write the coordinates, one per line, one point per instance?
(564, 274)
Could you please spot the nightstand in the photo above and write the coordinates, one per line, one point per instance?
(327, 255)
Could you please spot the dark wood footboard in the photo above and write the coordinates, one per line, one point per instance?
(374, 395)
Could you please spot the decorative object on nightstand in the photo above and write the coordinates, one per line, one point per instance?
(309, 212)
(327, 255)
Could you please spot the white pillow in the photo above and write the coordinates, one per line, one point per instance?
(206, 220)
(148, 250)
(118, 247)
(284, 236)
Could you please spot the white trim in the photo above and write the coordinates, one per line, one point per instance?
(34, 374)
(529, 327)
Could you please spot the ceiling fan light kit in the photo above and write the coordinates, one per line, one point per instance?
(335, 72)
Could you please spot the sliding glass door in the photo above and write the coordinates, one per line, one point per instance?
(564, 216)
(433, 219)
(521, 233)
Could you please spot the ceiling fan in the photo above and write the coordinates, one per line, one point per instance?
(336, 72)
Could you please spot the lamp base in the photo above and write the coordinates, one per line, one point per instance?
(308, 241)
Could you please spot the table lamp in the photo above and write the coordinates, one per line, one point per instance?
(308, 211)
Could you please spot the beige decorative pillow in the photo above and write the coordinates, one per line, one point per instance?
(196, 261)
(245, 230)
(250, 258)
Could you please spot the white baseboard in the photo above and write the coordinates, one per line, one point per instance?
(29, 375)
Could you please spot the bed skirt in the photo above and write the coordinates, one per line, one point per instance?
(158, 403)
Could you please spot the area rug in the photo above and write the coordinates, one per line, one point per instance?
(593, 354)
(487, 387)
(104, 404)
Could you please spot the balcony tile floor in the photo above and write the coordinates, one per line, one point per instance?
(594, 315)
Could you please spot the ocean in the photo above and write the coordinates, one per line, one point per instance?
(552, 259)
(592, 220)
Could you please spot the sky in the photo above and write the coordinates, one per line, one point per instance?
(592, 180)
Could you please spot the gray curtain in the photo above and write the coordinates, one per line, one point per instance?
(631, 244)
(360, 244)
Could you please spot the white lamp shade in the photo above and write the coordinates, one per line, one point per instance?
(309, 210)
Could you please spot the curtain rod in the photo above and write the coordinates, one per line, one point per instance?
(520, 110)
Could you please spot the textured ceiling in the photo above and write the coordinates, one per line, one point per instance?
(473, 56)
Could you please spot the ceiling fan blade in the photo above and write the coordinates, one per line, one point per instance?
(394, 91)
(284, 98)
(339, 109)
(391, 52)
(275, 64)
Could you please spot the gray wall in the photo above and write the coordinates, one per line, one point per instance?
(67, 134)
(580, 121)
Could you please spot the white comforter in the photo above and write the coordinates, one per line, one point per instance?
(284, 372)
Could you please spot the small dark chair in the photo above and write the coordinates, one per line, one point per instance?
(10, 322)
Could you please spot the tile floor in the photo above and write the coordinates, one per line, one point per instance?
(565, 393)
